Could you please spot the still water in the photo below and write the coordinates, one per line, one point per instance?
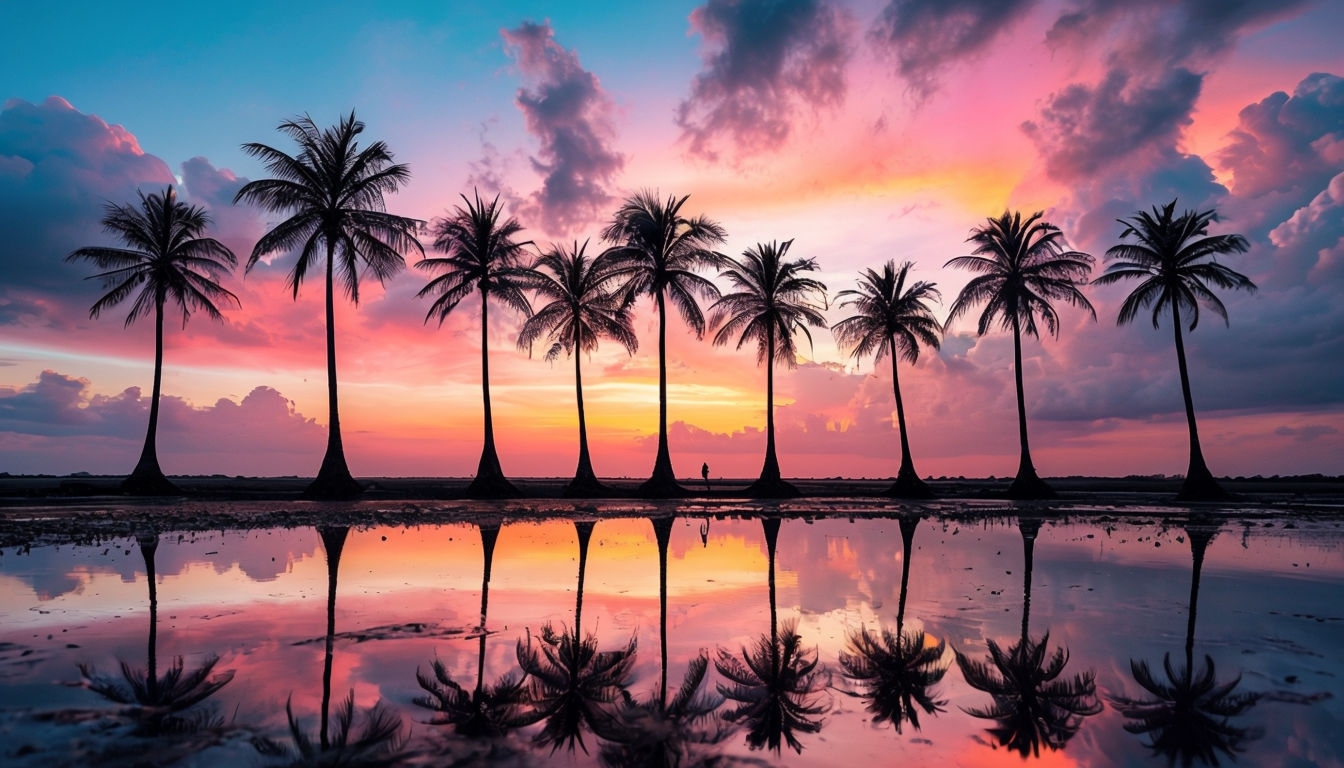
(715, 637)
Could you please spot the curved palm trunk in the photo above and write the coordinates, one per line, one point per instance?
(333, 541)
(770, 485)
(489, 482)
(333, 479)
(584, 530)
(1199, 544)
(147, 479)
(1199, 482)
(663, 483)
(907, 485)
(662, 531)
(908, 526)
(585, 481)
(1027, 485)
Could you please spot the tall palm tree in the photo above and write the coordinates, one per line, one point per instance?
(896, 672)
(1189, 717)
(165, 258)
(660, 251)
(482, 253)
(332, 193)
(891, 319)
(1021, 267)
(1174, 257)
(777, 684)
(770, 302)
(583, 305)
(1031, 703)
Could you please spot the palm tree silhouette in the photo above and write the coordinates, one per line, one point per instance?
(571, 685)
(583, 306)
(332, 192)
(1174, 257)
(891, 319)
(1188, 717)
(1021, 267)
(481, 254)
(1032, 706)
(166, 258)
(771, 301)
(485, 712)
(777, 683)
(659, 251)
(896, 672)
(160, 700)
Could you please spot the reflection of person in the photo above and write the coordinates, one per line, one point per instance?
(704, 472)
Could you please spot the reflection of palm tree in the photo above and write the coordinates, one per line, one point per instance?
(891, 319)
(662, 731)
(487, 711)
(660, 251)
(572, 685)
(166, 258)
(1022, 266)
(161, 699)
(776, 684)
(379, 740)
(583, 307)
(896, 672)
(333, 193)
(481, 253)
(1032, 705)
(1176, 263)
(1188, 717)
(770, 302)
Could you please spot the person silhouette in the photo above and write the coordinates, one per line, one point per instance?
(704, 472)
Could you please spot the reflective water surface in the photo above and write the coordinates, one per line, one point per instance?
(682, 639)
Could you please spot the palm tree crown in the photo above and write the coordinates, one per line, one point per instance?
(1173, 257)
(891, 319)
(1021, 267)
(481, 252)
(332, 192)
(583, 304)
(166, 258)
(659, 251)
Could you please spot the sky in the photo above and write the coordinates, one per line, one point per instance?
(863, 131)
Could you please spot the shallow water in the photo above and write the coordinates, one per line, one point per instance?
(307, 618)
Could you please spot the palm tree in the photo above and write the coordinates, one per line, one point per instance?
(482, 253)
(1188, 717)
(1032, 706)
(332, 192)
(1021, 266)
(771, 301)
(659, 251)
(777, 683)
(583, 306)
(891, 319)
(161, 701)
(897, 671)
(1174, 257)
(166, 258)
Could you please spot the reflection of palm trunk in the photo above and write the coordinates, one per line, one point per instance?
(908, 526)
(662, 531)
(771, 527)
(489, 535)
(149, 543)
(333, 541)
(1199, 543)
(584, 530)
(1029, 530)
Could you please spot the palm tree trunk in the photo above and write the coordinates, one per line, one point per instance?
(1199, 543)
(1199, 482)
(908, 525)
(489, 535)
(333, 541)
(489, 482)
(585, 480)
(1029, 530)
(147, 547)
(663, 483)
(771, 526)
(147, 479)
(1027, 485)
(333, 479)
(584, 529)
(662, 531)
(907, 485)
(770, 484)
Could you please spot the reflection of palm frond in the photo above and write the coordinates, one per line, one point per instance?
(777, 687)
(655, 733)
(573, 685)
(488, 712)
(1189, 717)
(896, 674)
(161, 699)
(378, 745)
(1031, 704)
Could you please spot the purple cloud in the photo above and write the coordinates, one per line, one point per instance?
(567, 110)
(765, 61)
